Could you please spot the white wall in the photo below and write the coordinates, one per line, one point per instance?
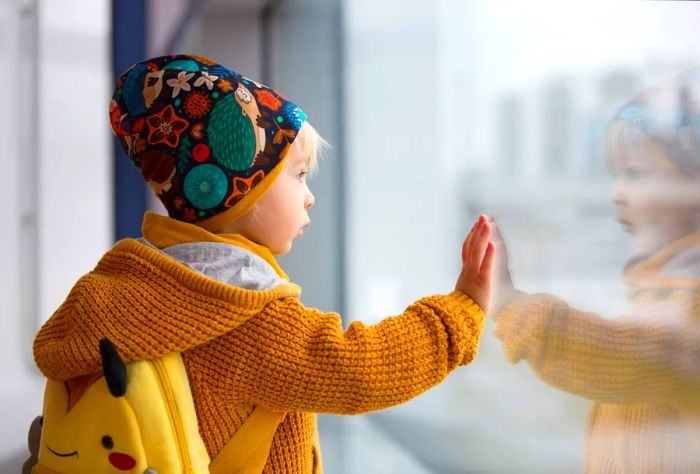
(57, 199)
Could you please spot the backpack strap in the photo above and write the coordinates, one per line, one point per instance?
(247, 451)
(316, 446)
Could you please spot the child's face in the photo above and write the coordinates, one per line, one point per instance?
(281, 213)
(653, 198)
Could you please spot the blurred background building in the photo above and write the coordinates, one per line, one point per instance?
(437, 111)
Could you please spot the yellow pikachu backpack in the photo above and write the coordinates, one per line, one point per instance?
(140, 418)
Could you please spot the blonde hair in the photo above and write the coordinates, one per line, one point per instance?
(624, 138)
(312, 145)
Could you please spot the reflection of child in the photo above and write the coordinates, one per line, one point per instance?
(229, 159)
(642, 371)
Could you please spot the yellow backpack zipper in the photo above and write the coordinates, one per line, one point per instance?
(173, 414)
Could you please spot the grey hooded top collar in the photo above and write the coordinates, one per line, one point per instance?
(226, 263)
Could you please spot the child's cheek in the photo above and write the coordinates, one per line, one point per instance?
(648, 198)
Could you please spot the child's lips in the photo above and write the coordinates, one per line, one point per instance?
(626, 224)
(301, 231)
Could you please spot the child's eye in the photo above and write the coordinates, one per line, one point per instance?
(302, 174)
(634, 173)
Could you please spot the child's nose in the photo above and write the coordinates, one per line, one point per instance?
(618, 195)
(309, 201)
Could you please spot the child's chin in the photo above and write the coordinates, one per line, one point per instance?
(644, 243)
(283, 249)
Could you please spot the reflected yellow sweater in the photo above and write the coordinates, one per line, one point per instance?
(243, 348)
(642, 370)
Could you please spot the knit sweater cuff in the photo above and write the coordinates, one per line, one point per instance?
(461, 300)
(471, 318)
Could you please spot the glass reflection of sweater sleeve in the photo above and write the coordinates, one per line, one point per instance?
(620, 361)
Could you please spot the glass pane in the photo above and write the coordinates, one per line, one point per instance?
(456, 108)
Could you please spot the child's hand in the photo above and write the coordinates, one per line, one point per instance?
(477, 264)
(503, 290)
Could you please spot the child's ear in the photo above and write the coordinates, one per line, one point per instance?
(113, 367)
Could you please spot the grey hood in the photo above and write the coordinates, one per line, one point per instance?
(226, 263)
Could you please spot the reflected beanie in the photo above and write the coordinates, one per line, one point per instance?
(671, 117)
(209, 141)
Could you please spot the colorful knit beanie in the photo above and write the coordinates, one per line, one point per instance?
(671, 117)
(209, 141)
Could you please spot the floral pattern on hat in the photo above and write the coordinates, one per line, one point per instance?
(202, 135)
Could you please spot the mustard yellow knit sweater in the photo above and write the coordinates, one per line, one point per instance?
(243, 348)
(642, 370)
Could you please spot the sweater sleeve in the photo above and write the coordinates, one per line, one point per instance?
(619, 361)
(293, 358)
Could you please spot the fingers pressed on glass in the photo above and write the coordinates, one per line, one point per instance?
(468, 242)
(479, 246)
(487, 266)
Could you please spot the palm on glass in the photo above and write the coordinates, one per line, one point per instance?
(503, 291)
(476, 277)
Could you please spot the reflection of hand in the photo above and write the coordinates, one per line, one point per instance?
(503, 290)
(476, 277)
